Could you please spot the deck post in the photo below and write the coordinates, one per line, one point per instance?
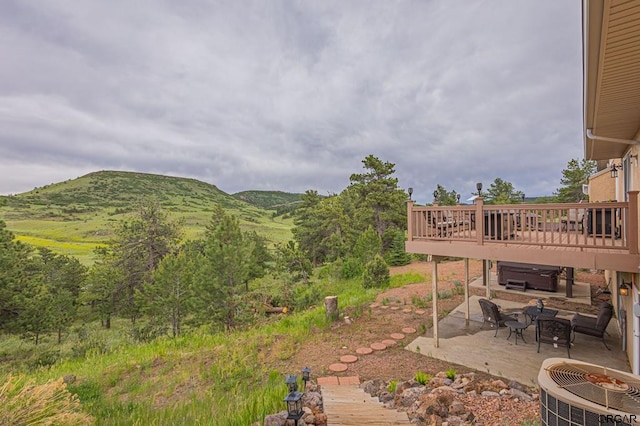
(409, 220)
(434, 302)
(632, 222)
(466, 291)
(479, 221)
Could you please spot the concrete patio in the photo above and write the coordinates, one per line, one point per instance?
(477, 348)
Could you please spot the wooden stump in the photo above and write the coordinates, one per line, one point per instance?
(331, 307)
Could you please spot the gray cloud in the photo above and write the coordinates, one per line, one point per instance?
(291, 95)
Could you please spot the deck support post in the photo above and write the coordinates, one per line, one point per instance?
(479, 221)
(486, 273)
(434, 302)
(466, 291)
(631, 224)
(409, 220)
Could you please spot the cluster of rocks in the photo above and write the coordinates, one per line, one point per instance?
(313, 410)
(439, 401)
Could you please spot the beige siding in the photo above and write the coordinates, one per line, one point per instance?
(602, 187)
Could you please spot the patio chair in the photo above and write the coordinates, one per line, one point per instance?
(491, 314)
(555, 331)
(591, 326)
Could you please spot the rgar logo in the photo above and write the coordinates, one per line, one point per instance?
(616, 419)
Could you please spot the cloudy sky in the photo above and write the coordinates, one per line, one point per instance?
(291, 95)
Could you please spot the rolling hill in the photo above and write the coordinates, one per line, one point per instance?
(75, 216)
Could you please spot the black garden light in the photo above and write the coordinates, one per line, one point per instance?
(479, 188)
(292, 382)
(306, 375)
(410, 191)
(294, 406)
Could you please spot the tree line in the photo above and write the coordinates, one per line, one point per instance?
(162, 284)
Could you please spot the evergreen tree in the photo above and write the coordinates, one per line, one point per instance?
(503, 192)
(104, 290)
(290, 260)
(140, 244)
(223, 272)
(380, 202)
(397, 254)
(13, 277)
(444, 197)
(168, 298)
(64, 276)
(573, 177)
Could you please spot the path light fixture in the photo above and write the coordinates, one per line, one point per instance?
(624, 289)
(458, 198)
(410, 191)
(523, 197)
(292, 382)
(479, 188)
(294, 406)
(306, 375)
(614, 169)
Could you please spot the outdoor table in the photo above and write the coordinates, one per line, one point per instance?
(516, 327)
(532, 312)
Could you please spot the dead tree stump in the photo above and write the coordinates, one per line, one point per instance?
(331, 307)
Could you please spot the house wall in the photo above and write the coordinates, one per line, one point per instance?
(602, 187)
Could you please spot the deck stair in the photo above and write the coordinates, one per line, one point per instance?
(347, 404)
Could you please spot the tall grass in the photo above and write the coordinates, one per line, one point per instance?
(198, 378)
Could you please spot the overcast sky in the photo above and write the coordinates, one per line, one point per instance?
(291, 95)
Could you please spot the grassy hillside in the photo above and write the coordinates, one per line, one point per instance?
(270, 200)
(74, 216)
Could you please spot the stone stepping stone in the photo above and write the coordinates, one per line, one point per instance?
(384, 307)
(348, 359)
(389, 342)
(374, 305)
(409, 330)
(395, 308)
(420, 311)
(406, 310)
(378, 346)
(397, 336)
(364, 351)
(338, 367)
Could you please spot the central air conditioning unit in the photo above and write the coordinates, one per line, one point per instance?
(578, 393)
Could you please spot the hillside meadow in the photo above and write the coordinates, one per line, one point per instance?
(75, 216)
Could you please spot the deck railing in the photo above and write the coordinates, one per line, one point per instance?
(611, 225)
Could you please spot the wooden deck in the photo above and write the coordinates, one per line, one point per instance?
(584, 235)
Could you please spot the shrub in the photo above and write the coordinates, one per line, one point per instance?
(376, 273)
(392, 386)
(352, 268)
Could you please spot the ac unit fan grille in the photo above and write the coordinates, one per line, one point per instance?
(598, 385)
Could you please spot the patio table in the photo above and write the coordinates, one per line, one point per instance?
(532, 312)
(516, 327)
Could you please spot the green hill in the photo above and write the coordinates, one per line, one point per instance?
(74, 216)
(281, 202)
